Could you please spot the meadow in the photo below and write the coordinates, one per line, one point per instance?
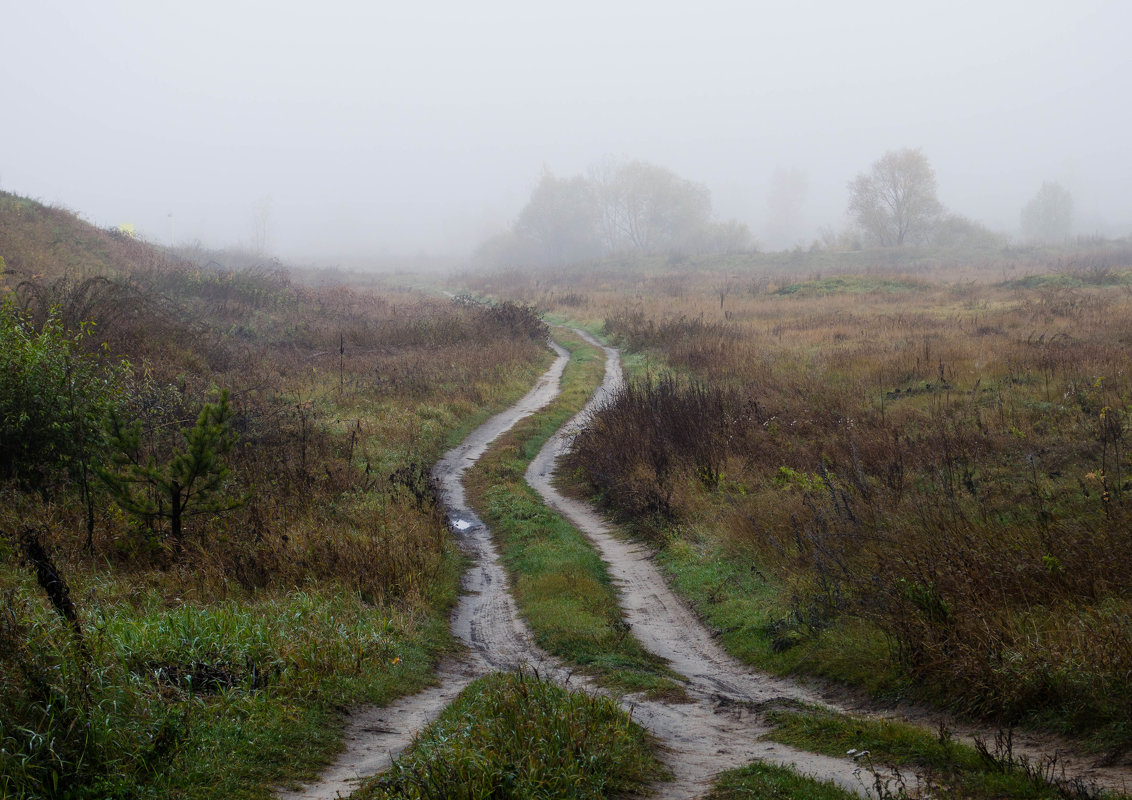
(911, 476)
(218, 529)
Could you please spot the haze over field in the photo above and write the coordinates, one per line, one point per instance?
(377, 129)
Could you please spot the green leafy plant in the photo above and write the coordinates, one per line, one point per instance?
(53, 398)
(190, 483)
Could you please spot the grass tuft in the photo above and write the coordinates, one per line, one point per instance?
(519, 736)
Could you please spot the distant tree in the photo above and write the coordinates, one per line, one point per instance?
(562, 217)
(731, 236)
(895, 202)
(649, 208)
(955, 230)
(784, 202)
(191, 482)
(1048, 217)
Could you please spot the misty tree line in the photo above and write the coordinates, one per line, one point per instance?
(624, 207)
(619, 207)
(895, 203)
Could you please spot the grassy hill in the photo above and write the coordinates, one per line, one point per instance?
(217, 528)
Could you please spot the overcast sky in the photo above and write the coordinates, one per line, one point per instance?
(405, 127)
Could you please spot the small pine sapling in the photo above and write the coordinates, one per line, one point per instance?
(191, 483)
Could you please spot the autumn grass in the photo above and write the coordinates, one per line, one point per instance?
(763, 781)
(936, 763)
(519, 736)
(225, 666)
(558, 579)
(908, 482)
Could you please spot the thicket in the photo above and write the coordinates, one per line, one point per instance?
(217, 523)
(946, 463)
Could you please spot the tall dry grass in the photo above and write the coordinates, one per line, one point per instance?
(946, 461)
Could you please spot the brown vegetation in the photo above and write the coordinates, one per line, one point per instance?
(307, 487)
(945, 461)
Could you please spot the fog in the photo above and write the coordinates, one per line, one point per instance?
(375, 129)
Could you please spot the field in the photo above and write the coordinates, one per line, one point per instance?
(913, 481)
(903, 473)
(309, 569)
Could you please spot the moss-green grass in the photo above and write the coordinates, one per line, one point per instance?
(517, 736)
(739, 601)
(204, 699)
(761, 781)
(559, 581)
(953, 768)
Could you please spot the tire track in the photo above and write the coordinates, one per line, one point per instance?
(720, 729)
(712, 732)
(698, 739)
(485, 619)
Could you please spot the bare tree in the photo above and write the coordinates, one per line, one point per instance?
(895, 202)
(649, 208)
(261, 222)
(785, 200)
(1048, 217)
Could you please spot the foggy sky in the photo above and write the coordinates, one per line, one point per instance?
(402, 127)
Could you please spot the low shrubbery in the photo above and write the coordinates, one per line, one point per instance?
(264, 475)
(950, 477)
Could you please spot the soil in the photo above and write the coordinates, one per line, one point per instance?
(722, 726)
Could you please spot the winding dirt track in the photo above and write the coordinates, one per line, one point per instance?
(718, 730)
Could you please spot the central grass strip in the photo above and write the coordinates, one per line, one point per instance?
(558, 579)
(772, 782)
(514, 735)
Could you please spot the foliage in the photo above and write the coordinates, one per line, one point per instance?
(225, 672)
(191, 482)
(562, 218)
(517, 736)
(1048, 216)
(53, 398)
(621, 207)
(895, 202)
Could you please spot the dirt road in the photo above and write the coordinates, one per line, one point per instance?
(485, 618)
(718, 730)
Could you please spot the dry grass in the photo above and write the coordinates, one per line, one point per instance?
(946, 460)
(342, 400)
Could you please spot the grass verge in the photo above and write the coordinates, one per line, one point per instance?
(942, 766)
(559, 581)
(206, 699)
(518, 736)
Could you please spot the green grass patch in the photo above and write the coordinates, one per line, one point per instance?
(761, 781)
(559, 580)
(952, 768)
(518, 736)
(203, 699)
(757, 624)
(851, 284)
